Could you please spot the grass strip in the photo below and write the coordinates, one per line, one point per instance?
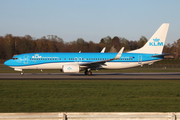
(89, 96)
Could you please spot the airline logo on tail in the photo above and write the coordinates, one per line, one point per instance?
(156, 42)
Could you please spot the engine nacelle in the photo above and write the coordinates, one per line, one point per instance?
(70, 68)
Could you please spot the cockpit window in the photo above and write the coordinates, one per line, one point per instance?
(14, 58)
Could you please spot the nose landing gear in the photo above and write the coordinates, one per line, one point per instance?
(22, 73)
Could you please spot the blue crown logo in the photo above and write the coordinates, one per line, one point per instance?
(156, 40)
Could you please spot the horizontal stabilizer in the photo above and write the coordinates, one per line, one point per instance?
(162, 55)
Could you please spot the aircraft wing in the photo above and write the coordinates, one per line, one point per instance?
(99, 63)
(93, 64)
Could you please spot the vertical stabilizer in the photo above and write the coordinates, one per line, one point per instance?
(156, 43)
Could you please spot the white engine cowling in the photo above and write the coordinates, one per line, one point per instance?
(70, 68)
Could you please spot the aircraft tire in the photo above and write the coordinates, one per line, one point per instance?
(89, 73)
(22, 73)
(85, 72)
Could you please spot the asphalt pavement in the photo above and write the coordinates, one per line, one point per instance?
(95, 76)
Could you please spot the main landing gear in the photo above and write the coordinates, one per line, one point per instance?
(88, 72)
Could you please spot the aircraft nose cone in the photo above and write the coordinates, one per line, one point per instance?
(7, 63)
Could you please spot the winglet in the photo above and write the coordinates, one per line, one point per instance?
(103, 50)
(119, 53)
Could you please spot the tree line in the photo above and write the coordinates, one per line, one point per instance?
(11, 45)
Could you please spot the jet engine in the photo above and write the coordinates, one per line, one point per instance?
(70, 68)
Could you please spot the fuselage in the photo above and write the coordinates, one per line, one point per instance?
(57, 60)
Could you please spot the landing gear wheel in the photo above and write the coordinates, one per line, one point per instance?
(88, 73)
(22, 73)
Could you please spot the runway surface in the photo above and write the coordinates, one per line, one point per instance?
(95, 76)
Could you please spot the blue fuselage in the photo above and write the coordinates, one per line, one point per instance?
(56, 60)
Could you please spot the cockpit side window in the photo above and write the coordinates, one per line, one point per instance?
(14, 58)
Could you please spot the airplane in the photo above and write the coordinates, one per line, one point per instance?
(76, 62)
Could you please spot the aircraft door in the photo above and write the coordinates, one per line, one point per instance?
(140, 59)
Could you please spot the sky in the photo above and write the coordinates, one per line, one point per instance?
(91, 20)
